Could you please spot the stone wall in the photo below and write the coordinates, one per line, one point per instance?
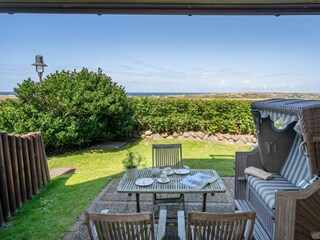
(201, 136)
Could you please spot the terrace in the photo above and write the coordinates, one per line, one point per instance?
(109, 198)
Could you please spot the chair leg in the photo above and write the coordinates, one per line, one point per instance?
(183, 202)
(154, 202)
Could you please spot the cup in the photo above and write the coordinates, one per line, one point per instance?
(167, 170)
(155, 172)
(163, 177)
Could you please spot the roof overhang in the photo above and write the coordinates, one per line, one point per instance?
(185, 7)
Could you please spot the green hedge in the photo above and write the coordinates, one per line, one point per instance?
(71, 109)
(176, 114)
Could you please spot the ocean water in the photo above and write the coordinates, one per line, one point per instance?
(139, 94)
(6, 93)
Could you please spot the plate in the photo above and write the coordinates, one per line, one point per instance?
(181, 171)
(160, 180)
(143, 182)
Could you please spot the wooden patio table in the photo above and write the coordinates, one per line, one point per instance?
(173, 187)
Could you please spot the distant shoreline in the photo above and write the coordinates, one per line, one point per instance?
(239, 95)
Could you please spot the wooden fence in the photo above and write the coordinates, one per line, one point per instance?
(23, 170)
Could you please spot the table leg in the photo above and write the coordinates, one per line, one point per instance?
(204, 202)
(138, 202)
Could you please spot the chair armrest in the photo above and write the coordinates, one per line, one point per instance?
(181, 225)
(161, 224)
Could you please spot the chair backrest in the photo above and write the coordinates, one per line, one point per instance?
(204, 226)
(296, 167)
(121, 226)
(167, 155)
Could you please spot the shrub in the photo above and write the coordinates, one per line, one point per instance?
(177, 114)
(69, 108)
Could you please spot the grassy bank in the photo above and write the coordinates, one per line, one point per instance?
(52, 212)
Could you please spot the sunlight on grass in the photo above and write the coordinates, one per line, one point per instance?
(56, 208)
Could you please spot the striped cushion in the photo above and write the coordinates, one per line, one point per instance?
(266, 189)
(295, 169)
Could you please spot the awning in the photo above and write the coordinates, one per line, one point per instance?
(185, 7)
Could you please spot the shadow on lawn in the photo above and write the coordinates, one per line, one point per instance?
(55, 209)
(127, 146)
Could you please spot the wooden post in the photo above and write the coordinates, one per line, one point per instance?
(33, 168)
(15, 169)
(37, 160)
(4, 198)
(43, 154)
(1, 215)
(22, 177)
(8, 166)
(26, 163)
(41, 158)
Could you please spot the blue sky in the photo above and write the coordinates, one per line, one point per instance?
(168, 53)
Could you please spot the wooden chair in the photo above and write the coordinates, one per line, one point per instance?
(204, 226)
(167, 155)
(126, 226)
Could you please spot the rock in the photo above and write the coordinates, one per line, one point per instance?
(170, 137)
(219, 136)
(148, 137)
(206, 138)
(209, 138)
(254, 140)
(142, 136)
(157, 136)
(194, 134)
(215, 139)
(186, 134)
(148, 133)
(175, 135)
(235, 137)
(181, 137)
(230, 140)
(248, 138)
(201, 134)
(190, 137)
(227, 136)
(243, 139)
(164, 135)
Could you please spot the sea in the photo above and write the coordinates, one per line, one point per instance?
(142, 94)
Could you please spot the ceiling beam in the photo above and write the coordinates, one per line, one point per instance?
(183, 7)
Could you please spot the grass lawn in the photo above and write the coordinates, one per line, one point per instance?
(52, 212)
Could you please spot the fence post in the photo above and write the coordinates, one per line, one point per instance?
(37, 160)
(27, 166)
(8, 166)
(4, 198)
(22, 177)
(44, 156)
(15, 168)
(1, 215)
(33, 169)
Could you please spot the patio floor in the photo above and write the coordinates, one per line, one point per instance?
(122, 203)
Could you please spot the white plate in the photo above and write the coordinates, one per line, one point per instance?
(160, 180)
(181, 171)
(144, 182)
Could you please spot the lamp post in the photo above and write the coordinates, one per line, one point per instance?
(39, 66)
